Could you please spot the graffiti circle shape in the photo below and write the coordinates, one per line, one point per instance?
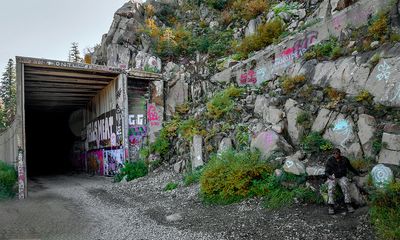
(381, 175)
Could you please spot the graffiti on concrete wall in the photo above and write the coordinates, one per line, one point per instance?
(135, 119)
(153, 116)
(113, 161)
(102, 132)
(95, 162)
(21, 174)
(137, 134)
(289, 55)
(253, 77)
(343, 127)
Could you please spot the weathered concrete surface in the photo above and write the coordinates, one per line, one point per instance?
(9, 144)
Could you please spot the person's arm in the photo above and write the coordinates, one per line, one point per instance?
(351, 168)
(328, 168)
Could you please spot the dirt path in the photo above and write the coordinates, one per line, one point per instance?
(83, 207)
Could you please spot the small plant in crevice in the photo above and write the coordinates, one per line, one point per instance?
(329, 49)
(290, 83)
(375, 60)
(334, 96)
(315, 143)
(132, 170)
(190, 127)
(379, 26)
(364, 97)
(170, 186)
(304, 119)
(8, 179)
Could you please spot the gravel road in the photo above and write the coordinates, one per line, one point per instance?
(84, 207)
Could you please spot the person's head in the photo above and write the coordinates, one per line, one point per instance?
(336, 153)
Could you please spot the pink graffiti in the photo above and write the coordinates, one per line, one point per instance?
(339, 22)
(289, 55)
(152, 115)
(269, 138)
(248, 78)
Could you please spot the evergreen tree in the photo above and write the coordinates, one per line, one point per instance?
(74, 53)
(8, 93)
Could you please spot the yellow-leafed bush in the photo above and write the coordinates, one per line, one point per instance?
(290, 83)
(380, 27)
(265, 35)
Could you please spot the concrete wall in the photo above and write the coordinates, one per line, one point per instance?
(276, 59)
(9, 144)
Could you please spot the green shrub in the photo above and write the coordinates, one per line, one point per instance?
(161, 144)
(192, 177)
(222, 102)
(231, 176)
(375, 59)
(266, 34)
(326, 50)
(315, 143)
(242, 137)
(385, 211)
(249, 9)
(132, 170)
(285, 7)
(170, 186)
(8, 179)
(190, 127)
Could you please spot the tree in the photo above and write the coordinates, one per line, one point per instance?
(74, 53)
(8, 93)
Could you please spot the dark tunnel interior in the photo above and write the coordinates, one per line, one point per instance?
(49, 142)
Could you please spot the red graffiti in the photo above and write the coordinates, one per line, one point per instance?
(152, 115)
(289, 55)
(340, 21)
(248, 78)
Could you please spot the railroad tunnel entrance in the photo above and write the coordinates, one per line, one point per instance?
(56, 98)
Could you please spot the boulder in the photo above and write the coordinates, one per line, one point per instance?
(383, 82)
(269, 142)
(315, 171)
(179, 166)
(342, 134)
(381, 175)
(294, 166)
(389, 157)
(272, 115)
(260, 104)
(361, 182)
(147, 62)
(178, 90)
(174, 217)
(391, 141)
(366, 133)
(225, 144)
(322, 120)
(356, 197)
(295, 130)
(197, 152)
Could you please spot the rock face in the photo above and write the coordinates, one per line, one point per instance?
(178, 89)
(225, 144)
(197, 152)
(121, 44)
(322, 120)
(292, 112)
(390, 149)
(315, 171)
(342, 134)
(356, 196)
(268, 142)
(366, 132)
(381, 175)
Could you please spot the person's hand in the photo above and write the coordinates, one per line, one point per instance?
(362, 172)
(331, 177)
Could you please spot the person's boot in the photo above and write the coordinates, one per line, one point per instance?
(350, 208)
(331, 210)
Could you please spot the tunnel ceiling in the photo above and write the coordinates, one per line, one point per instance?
(57, 85)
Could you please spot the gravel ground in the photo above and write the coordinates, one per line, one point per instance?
(83, 207)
